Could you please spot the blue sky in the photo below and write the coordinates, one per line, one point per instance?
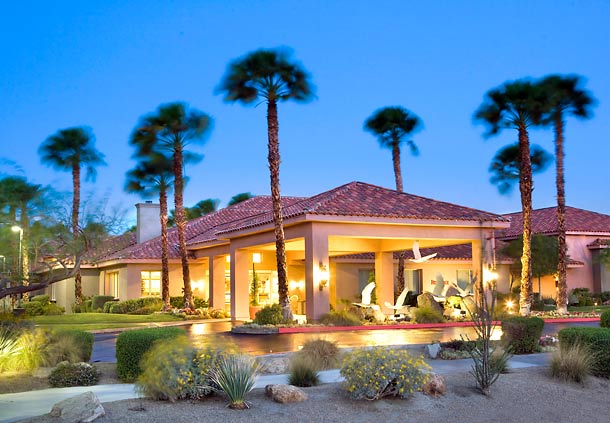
(106, 63)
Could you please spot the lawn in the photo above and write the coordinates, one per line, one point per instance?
(586, 309)
(97, 321)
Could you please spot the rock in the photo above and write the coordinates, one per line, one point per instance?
(432, 350)
(435, 386)
(285, 393)
(427, 299)
(452, 291)
(83, 408)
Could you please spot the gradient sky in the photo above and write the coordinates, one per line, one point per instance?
(106, 63)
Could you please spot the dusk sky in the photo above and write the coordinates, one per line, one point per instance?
(104, 64)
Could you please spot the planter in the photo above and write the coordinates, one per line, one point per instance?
(253, 310)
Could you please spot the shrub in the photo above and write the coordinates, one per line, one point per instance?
(178, 302)
(583, 296)
(303, 371)
(132, 306)
(573, 363)
(108, 304)
(522, 334)
(217, 313)
(82, 343)
(9, 349)
(427, 314)
(269, 315)
(45, 299)
(340, 318)
(86, 306)
(74, 374)
(380, 371)
(235, 376)
(323, 354)
(131, 346)
(597, 340)
(604, 296)
(99, 301)
(604, 320)
(42, 307)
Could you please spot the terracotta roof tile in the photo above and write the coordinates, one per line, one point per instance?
(600, 243)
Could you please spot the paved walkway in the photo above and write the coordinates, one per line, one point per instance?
(21, 405)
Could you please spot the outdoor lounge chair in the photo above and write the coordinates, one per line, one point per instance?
(400, 309)
(366, 297)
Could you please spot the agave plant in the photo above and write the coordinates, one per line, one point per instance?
(235, 376)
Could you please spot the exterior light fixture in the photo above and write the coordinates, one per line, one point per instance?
(509, 306)
(228, 259)
(256, 258)
(323, 275)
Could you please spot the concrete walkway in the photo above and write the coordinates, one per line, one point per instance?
(22, 405)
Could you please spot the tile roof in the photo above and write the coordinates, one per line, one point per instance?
(544, 221)
(358, 199)
(600, 243)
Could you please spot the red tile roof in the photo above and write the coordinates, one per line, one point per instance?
(600, 243)
(365, 200)
(544, 221)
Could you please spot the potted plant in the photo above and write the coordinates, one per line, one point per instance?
(254, 287)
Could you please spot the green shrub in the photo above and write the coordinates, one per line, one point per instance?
(269, 315)
(381, 371)
(583, 296)
(597, 340)
(9, 349)
(235, 376)
(303, 371)
(86, 307)
(217, 313)
(74, 374)
(340, 318)
(132, 306)
(522, 334)
(82, 341)
(604, 320)
(42, 307)
(572, 363)
(98, 301)
(41, 298)
(427, 314)
(178, 302)
(324, 354)
(604, 296)
(131, 346)
(108, 304)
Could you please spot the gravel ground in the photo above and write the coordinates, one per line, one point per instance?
(524, 395)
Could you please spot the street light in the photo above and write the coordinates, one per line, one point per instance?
(19, 260)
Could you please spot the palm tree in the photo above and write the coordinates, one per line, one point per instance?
(564, 96)
(272, 75)
(70, 149)
(391, 125)
(171, 129)
(153, 175)
(506, 163)
(238, 198)
(517, 105)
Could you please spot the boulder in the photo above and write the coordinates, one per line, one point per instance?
(432, 350)
(427, 299)
(435, 385)
(83, 408)
(451, 291)
(285, 393)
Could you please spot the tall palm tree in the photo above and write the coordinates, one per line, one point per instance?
(272, 75)
(391, 125)
(238, 198)
(505, 165)
(70, 149)
(565, 96)
(153, 175)
(171, 129)
(517, 105)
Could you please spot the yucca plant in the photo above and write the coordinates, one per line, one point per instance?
(9, 349)
(235, 375)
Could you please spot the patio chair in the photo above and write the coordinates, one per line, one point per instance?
(400, 309)
(366, 297)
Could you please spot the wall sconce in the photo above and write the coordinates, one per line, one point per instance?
(489, 276)
(256, 258)
(323, 275)
(294, 285)
(228, 259)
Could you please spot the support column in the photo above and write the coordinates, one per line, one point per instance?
(216, 268)
(317, 281)
(239, 285)
(477, 267)
(384, 279)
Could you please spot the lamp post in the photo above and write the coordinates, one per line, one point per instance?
(20, 258)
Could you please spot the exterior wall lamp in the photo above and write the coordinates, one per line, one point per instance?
(323, 276)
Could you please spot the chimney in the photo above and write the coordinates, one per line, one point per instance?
(148, 225)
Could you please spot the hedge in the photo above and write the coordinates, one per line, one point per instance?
(596, 339)
(98, 301)
(178, 302)
(604, 320)
(522, 334)
(131, 346)
(150, 304)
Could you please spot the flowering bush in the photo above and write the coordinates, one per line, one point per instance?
(74, 374)
(380, 371)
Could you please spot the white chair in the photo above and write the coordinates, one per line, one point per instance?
(366, 297)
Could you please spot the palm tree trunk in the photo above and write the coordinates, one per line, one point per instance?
(562, 270)
(181, 223)
(78, 284)
(25, 265)
(525, 186)
(164, 249)
(274, 173)
(400, 277)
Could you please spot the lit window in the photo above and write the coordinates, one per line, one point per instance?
(113, 284)
(151, 283)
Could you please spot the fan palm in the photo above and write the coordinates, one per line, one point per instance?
(153, 175)
(506, 163)
(69, 150)
(271, 75)
(170, 130)
(564, 96)
(517, 105)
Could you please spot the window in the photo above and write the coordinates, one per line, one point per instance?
(364, 277)
(151, 283)
(464, 280)
(413, 280)
(112, 287)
